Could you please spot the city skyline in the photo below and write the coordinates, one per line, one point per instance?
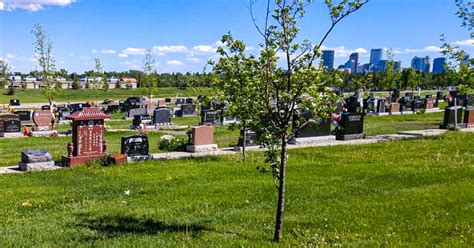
(184, 34)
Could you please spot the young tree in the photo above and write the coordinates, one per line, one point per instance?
(150, 77)
(274, 92)
(44, 53)
(4, 73)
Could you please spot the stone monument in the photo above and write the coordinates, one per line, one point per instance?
(36, 160)
(136, 147)
(10, 125)
(201, 139)
(88, 141)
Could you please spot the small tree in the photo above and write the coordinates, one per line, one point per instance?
(274, 92)
(76, 84)
(44, 53)
(4, 73)
(151, 79)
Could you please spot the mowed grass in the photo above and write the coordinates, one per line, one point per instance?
(413, 193)
(375, 125)
(83, 95)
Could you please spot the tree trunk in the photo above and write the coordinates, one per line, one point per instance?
(281, 192)
(244, 145)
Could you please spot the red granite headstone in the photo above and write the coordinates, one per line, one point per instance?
(429, 104)
(202, 135)
(394, 107)
(88, 141)
(161, 103)
(43, 120)
(469, 117)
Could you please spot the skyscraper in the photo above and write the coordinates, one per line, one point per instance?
(421, 64)
(328, 59)
(375, 56)
(354, 58)
(438, 65)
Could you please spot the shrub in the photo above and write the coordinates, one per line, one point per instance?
(172, 143)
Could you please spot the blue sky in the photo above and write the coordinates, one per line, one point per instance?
(183, 33)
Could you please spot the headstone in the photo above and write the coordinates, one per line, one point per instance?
(63, 112)
(167, 100)
(180, 101)
(36, 160)
(469, 116)
(468, 100)
(189, 100)
(161, 116)
(136, 111)
(351, 126)
(418, 104)
(135, 146)
(201, 139)
(25, 116)
(381, 105)
(10, 125)
(429, 102)
(395, 96)
(88, 141)
(43, 120)
(394, 108)
(141, 119)
(14, 102)
(249, 137)
(112, 108)
(76, 106)
(46, 107)
(208, 117)
(161, 103)
(409, 96)
(353, 105)
(188, 110)
(450, 115)
(131, 103)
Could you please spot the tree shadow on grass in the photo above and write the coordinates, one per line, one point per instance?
(116, 225)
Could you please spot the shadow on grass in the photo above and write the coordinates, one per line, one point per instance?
(116, 225)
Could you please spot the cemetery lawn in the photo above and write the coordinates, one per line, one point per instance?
(83, 95)
(413, 193)
(376, 125)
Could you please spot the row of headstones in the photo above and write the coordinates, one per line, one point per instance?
(459, 112)
(403, 104)
(10, 124)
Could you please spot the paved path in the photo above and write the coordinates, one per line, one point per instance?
(230, 151)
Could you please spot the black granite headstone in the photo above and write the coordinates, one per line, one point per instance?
(208, 117)
(188, 109)
(14, 102)
(135, 145)
(381, 106)
(25, 115)
(315, 129)
(189, 100)
(141, 119)
(351, 123)
(417, 104)
(250, 138)
(136, 111)
(131, 103)
(45, 107)
(450, 115)
(11, 126)
(167, 100)
(161, 116)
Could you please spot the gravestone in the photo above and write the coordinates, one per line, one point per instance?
(14, 102)
(180, 101)
(394, 108)
(188, 110)
(76, 106)
(36, 160)
(189, 100)
(429, 102)
(136, 111)
(10, 125)
(63, 112)
(161, 116)
(25, 116)
(208, 117)
(161, 103)
(469, 116)
(395, 96)
(226, 120)
(43, 119)
(167, 100)
(112, 108)
(353, 105)
(417, 104)
(136, 147)
(141, 119)
(381, 106)
(46, 107)
(131, 103)
(450, 115)
(201, 139)
(351, 126)
(369, 105)
(468, 100)
(249, 138)
(88, 141)
(409, 96)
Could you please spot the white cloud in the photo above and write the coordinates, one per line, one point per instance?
(162, 50)
(133, 64)
(204, 49)
(107, 51)
(123, 55)
(32, 5)
(431, 48)
(174, 62)
(194, 60)
(10, 56)
(94, 51)
(469, 42)
(71, 54)
(134, 51)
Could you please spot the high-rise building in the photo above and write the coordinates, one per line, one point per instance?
(438, 65)
(375, 56)
(397, 66)
(466, 59)
(422, 64)
(354, 58)
(328, 59)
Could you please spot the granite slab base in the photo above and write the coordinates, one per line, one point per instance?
(201, 148)
(41, 166)
(407, 112)
(75, 161)
(247, 148)
(41, 133)
(395, 113)
(11, 135)
(139, 158)
(312, 140)
(350, 136)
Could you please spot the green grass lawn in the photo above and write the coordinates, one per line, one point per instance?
(412, 193)
(35, 96)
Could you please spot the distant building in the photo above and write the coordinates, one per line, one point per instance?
(30, 79)
(397, 66)
(438, 65)
(354, 58)
(328, 59)
(466, 59)
(375, 56)
(422, 64)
